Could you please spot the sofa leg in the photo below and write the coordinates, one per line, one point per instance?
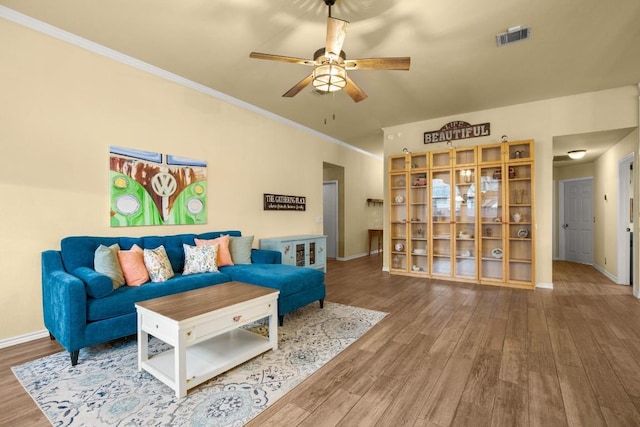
(280, 320)
(51, 337)
(74, 357)
(321, 302)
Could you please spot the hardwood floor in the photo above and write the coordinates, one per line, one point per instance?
(452, 354)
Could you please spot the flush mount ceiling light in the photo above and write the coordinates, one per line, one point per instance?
(577, 154)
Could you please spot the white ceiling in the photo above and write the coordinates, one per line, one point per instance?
(575, 46)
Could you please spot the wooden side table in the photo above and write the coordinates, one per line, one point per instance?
(377, 233)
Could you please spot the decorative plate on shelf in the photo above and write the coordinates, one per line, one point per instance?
(523, 233)
(399, 199)
(496, 253)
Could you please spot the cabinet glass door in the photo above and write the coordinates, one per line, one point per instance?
(398, 199)
(465, 222)
(312, 254)
(520, 222)
(301, 254)
(490, 196)
(441, 222)
(418, 225)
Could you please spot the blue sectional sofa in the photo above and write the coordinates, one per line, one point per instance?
(77, 319)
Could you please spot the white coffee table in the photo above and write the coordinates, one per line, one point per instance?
(203, 326)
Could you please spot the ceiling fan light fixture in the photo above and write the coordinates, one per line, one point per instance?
(329, 77)
(576, 154)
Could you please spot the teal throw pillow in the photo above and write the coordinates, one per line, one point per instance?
(105, 261)
(240, 248)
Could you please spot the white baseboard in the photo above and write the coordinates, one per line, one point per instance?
(23, 338)
(541, 285)
(360, 255)
(613, 278)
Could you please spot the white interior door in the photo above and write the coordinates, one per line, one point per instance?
(330, 216)
(625, 191)
(577, 225)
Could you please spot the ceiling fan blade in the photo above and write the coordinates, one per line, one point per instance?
(336, 32)
(299, 86)
(268, 56)
(399, 63)
(354, 91)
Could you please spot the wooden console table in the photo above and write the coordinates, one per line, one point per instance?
(375, 232)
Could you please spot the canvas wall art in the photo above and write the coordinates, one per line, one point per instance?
(149, 188)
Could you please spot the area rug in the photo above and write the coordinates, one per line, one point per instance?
(106, 389)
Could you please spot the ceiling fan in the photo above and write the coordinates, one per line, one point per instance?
(330, 63)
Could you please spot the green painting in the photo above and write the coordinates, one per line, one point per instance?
(149, 188)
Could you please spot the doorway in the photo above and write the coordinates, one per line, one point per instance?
(333, 210)
(576, 219)
(625, 220)
(330, 216)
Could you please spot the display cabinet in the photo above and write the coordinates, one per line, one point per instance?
(507, 214)
(418, 228)
(465, 228)
(520, 233)
(491, 212)
(398, 199)
(408, 196)
(302, 251)
(464, 214)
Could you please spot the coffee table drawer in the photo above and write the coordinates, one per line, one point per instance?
(232, 319)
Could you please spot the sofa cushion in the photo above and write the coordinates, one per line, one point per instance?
(133, 268)
(200, 259)
(223, 256)
(288, 279)
(240, 248)
(122, 300)
(105, 261)
(96, 284)
(158, 264)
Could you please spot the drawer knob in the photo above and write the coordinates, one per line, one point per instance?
(236, 318)
(189, 333)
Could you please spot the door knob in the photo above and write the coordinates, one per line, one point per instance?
(565, 225)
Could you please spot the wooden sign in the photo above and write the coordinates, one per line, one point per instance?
(457, 130)
(279, 202)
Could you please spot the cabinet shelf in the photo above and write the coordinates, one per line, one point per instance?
(521, 261)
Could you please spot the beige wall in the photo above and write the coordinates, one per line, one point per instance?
(62, 107)
(606, 173)
(541, 121)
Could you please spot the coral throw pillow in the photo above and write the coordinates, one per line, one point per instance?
(133, 268)
(224, 256)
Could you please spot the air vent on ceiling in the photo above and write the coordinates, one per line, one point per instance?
(514, 34)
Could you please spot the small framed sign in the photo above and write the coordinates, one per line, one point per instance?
(280, 202)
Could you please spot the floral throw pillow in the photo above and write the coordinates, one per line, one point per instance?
(158, 265)
(200, 259)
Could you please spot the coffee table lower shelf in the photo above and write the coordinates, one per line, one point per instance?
(209, 358)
